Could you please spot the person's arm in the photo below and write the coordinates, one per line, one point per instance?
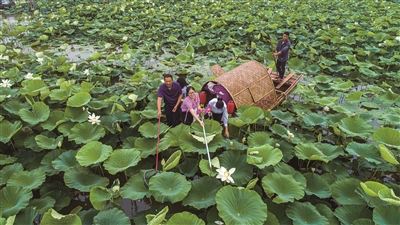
(159, 106)
(225, 120)
(284, 49)
(196, 117)
(177, 103)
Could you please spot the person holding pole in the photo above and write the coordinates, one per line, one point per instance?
(282, 52)
(171, 92)
(219, 113)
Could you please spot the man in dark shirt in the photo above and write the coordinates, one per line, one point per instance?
(171, 92)
(282, 51)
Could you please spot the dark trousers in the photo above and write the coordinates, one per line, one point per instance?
(280, 66)
(217, 117)
(173, 118)
(187, 117)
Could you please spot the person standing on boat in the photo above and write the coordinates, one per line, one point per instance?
(171, 92)
(219, 112)
(190, 106)
(282, 52)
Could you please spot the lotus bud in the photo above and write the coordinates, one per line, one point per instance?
(254, 153)
(326, 108)
(163, 162)
(59, 144)
(231, 144)
(313, 169)
(277, 145)
(243, 140)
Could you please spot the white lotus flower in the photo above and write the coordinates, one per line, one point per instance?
(240, 28)
(8, 96)
(398, 38)
(40, 60)
(125, 38)
(326, 108)
(338, 28)
(379, 44)
(28, 76)
(225, 175)
(94, 119)
(290, 134)
(5, 83)
(355, 23)
(86, 72)
(219, 222)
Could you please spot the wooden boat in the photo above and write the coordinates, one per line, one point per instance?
(250, 84)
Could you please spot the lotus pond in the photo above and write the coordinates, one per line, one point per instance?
(79, 127)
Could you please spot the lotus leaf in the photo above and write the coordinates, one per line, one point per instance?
(202, 194)
(189, 144)
(26, 216)
(263, 156)
(53, 217)
(4, 159)
(387, 136)
(331, 151)
(311, 152)
(82, 179)
(240, 206)
(87, 216)
(65, 161)
(233, 159)
(305, 213)
(171, 139)
(169, 186)
(159, 218)
(387, 155)
(283, 116)
(279, 129)
(48, 143)
(42, 204)
(13, 199)
(27, 179)
(284, 186)
(149, 130)
(7, 171)
(389, 196)
(121, 159)
(389, 97)
(185, 218)
(93, 153)
(355, 126)
(386, 215)
(172, 161)
(134, 189)
(46, 163)
(314, 119)
(40, 113)
(83, 133)
(99, 196)
(34, 87)
(349, 213)
(286, 169)
(146, 146)
(56, 118)
(189, 167)
(372, 188)
(211, 127)
(324, 210)
(257, 139)
(204, 166)
(76, 114)
(8, 130)
(368, 152)
(317, 186)
(343, 192)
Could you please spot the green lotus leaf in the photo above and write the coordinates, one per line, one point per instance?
(240, 206)
(204, 166)
(189, 144)
(349, 213)
(389, 97)
(65, 128)
(313, 69)
(82, 179)
(278, 129)
(286, 188)
(79, 99)
(93, 153)
(34, 87)
(99, 196)
(169, 186)
(389, 196)
(14, 106)
(150, 130)
(95, 56)
(83, 133)
(252, 183)
(372, 188)
(76, 114)
(172, 161)
(388, 155)
(318, 186)
(343, 86)
(327, 100)
(237, 122)
(27, 179)
(233, 159)
(26, 216)
(336, 170)
(252, 114)
(263, 156)
(171, 138)
(391, 119)
(283, 116)
(368, 152)
(121, 159)
(65, 161)
(354, 96)
(40, 112)
(45, 142)
(344, 192)
(59, 94)
(159, 218)
(355, 126)
(146, 146)
(286, 169)
(135, 188)
(8, 130)
(189, 167)
(386, 215)
(4, 159)
(13, 199)
(42, 204)
(56, 118)
(7, 171)
(368, 72)
(257, 139)
(279, 210)
(314, 119)
(305, 213)
(53, 217)
(310, 152)
(387, 136)
(296, 63)
(46, 163)
(202, 194)
(324, 210)
(183, 58)
(331, 151)
(185, 218)
(87, 216)
(271, 219)
(323, 79)
(210, 126)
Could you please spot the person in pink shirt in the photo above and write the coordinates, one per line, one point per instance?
(190, 106)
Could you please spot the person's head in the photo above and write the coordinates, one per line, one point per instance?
(168, 80)
(286, 35)
(219, 104)
(182, 82)
(191, 92)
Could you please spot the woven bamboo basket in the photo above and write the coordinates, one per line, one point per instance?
(248, 84)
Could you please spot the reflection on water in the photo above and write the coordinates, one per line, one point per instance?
(131, 208)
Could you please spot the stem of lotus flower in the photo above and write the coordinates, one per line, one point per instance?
(101, 170)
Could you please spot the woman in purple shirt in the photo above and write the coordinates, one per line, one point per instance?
(190, 106)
